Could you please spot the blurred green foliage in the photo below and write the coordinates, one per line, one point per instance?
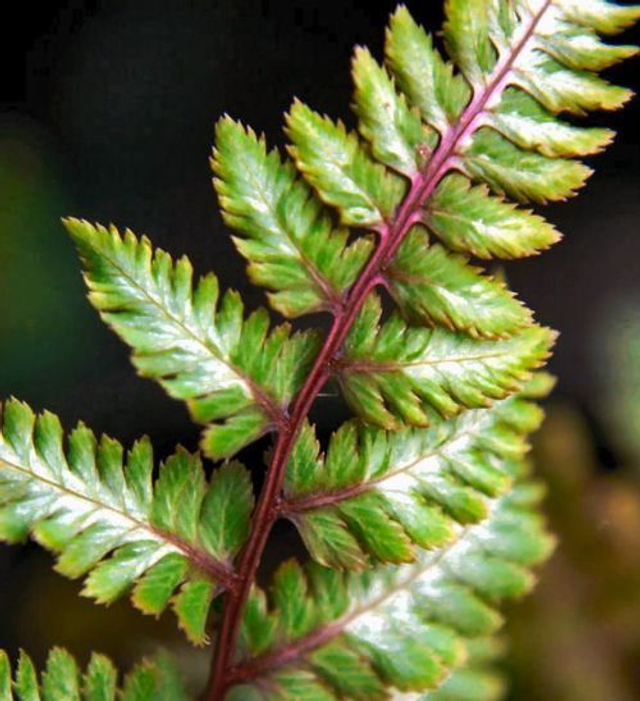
(619, 408)
(41, 300)
(578, 637)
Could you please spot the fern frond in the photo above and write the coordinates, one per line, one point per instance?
(441, 148)
(322, 634)
(392, 373)
(154, 679)
(236, 376)
(285, 234)
(106, 519)
(376, 495)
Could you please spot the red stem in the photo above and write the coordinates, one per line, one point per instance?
(391, 236)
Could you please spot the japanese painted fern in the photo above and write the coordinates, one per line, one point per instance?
(419, 515)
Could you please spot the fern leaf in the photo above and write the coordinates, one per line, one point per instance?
(526, 123)
(477, 680)
(435, 288)
(154, 679)
(347, 634)
(426, 79)
(423, 527)
(235, 375)
(377, 495)
(563, 89)
(524, 176)
(341, 171)
(468, 38)
(396, 132)
(396, 373)
(284, 233)
(599, 15)
(106, 519)
(469, 220)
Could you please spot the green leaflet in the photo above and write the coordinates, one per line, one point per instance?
(335, 163)
(396, 133)
(347, 633)
(154, 679)
(523, 175)
(101, 679)
(559, 88)
(5, 677)
(423, 76)
(60, 679)
(284, 232)
(603, 17)
(436, 288)
(581, 48)
(528, 125)
(467, 35)
(376, 494)
(470, 220)
(106, 519)
(397, 373)
(236, 376)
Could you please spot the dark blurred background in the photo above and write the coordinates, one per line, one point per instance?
(107, 112)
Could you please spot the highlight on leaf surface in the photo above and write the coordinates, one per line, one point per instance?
(236, 375)
(154, 679)
(323, 634)
(100, 511)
